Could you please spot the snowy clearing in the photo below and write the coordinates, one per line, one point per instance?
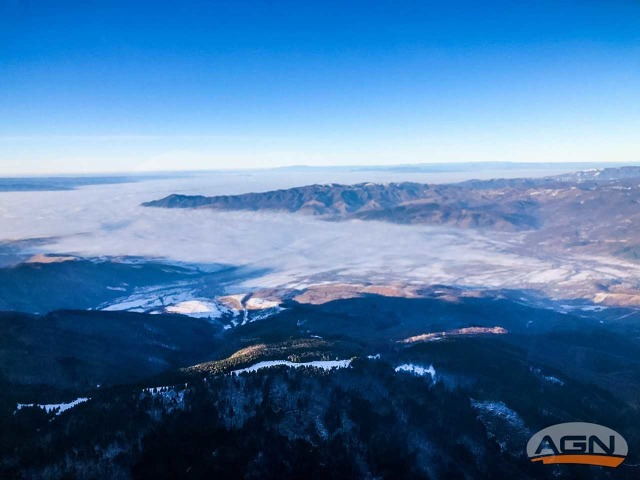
(417, 370)
(324, 364)
(60, 407)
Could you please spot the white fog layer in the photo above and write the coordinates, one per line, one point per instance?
(293, 249)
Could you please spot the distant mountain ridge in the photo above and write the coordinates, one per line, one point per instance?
(504, 204)
(597, 175)
(394, 202)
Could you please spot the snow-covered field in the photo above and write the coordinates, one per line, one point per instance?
(196, 308)
(54, 407)
(323, 364)
(180, 299)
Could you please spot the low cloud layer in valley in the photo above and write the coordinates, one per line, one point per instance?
(294, 250)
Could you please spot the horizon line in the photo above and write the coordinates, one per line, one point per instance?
(99, 173)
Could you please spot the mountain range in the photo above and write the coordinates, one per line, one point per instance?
(597, 211)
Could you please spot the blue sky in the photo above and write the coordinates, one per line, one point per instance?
(113, 86)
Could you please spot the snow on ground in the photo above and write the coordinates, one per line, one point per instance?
(260, 303)
(57, 407)
(117, 289)
(180, 299)
(196, 308)
(584, 308)
(260, 314)
(249, 315)
(323, 364)
(551, 379)
(171, 396)
(499, 410)
(548, 378)
(417, 370)
(153, 390)
(593, 308)
(150, 299)
(502, 424)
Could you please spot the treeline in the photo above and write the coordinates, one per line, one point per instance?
(362, 422)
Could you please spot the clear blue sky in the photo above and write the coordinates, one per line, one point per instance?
(125, 85)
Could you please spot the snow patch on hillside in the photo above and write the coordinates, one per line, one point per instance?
(260, 303)
(548, 378)
(196, 308)
(499, 410)
(417, 370)
(180, 299)
(323, 364)
(54, 407)
(172, 397)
